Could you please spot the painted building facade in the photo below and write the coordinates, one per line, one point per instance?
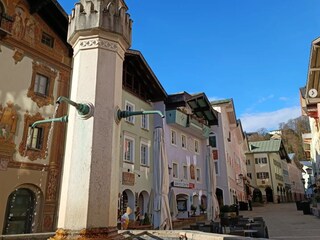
(266, 163)
(35, 65)
(310, 105)
(140, 89)
(231, 148)
(187, 128)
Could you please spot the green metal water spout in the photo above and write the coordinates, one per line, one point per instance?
(61, 119)
(125, 114)
(85, 110)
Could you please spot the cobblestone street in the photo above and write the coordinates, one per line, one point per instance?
(285, 222)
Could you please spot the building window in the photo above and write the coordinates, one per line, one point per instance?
(130, 108)
(216, 166)
(42, 84)
(248, 162)
(128, 154)
(144, 154)
(196, 146)
(183, 141)
(46, 39)
(35, 138)
(213, 140)
(185, 172)
(145, 121)
(175, 170)
(198, 175)
(261, 160)
(173, 137)
(262, 175)
(249, 175)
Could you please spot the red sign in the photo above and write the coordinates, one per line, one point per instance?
(215, 154)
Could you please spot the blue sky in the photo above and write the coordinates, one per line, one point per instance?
(254, 51)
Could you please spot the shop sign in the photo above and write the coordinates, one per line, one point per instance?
(183, 184)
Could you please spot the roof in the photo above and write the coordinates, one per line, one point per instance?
(54, 15)
(265, 146)
(269, 146)
(201, 107)
(146, 77)
(198, 103)
(221, 101)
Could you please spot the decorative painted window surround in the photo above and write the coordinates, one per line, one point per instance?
(32, 153)
(50, 74)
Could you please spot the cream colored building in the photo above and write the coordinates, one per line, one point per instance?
(231, 148)
(35, 65)
(266, 163)
(140, 89)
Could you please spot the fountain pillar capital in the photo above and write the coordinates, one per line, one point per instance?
(108, 19)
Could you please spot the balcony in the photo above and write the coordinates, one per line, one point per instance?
(177, 117)
(188, 123)
(5, 25)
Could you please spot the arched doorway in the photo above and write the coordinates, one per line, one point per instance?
(257, 195)
(127, 200)
(142, 203)
(269, 194)
(203, 203)
(182, 205)
(21, 206)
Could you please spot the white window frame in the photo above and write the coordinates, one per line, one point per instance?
(196, 146)
(147, 160)
(183, 141)
(175, 172)
(185, 172)
(130, 107)
(132, 152)
(145, 121)
(173, 137)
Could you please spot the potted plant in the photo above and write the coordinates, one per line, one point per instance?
(203, 208)
(224, 210)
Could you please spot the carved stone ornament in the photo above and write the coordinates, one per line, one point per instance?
(33, 154)
(18, 55)
(52, 185)
(93, 43)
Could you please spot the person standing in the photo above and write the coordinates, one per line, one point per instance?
(250, 202)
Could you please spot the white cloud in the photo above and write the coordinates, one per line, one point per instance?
(283, 98)
(264, 99)
(269, 120)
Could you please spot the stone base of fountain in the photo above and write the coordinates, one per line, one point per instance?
(87, 234)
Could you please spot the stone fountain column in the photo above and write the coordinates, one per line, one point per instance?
(100, 33)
